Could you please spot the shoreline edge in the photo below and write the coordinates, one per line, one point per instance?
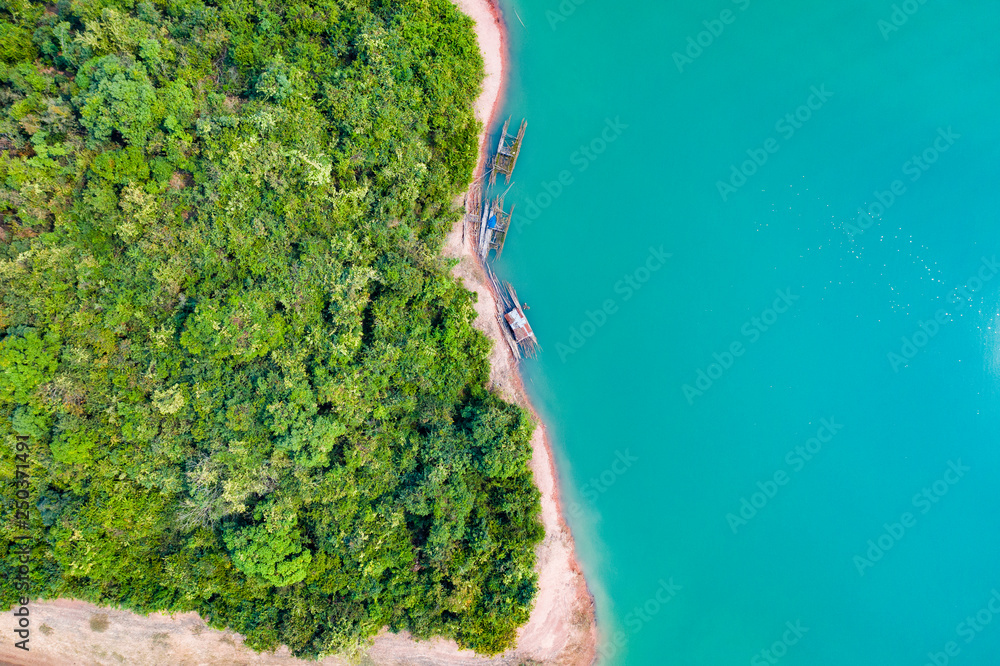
(562, 628)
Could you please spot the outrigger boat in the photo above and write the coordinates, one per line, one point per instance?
(508, 148)
(510, 316)
(493, 226)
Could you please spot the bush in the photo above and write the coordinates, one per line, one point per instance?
(250, 387)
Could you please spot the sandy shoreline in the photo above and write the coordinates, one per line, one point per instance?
(561, 630)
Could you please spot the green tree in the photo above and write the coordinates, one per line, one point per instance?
(250, 386)
(272, 553)
(116, 96)
(26, 360)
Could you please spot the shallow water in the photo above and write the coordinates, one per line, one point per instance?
(734, 517)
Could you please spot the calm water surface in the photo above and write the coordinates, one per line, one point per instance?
(780, 443)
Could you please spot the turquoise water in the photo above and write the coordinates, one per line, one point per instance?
(812, 300)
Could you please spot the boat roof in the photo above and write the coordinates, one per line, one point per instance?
(519, 325)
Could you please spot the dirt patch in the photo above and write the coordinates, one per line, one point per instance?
(99, 622)
(181, 179)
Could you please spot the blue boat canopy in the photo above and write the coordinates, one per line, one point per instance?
(492, 223)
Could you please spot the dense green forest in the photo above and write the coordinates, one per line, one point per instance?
(236, 375)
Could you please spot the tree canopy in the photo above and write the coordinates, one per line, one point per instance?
(249, 386)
